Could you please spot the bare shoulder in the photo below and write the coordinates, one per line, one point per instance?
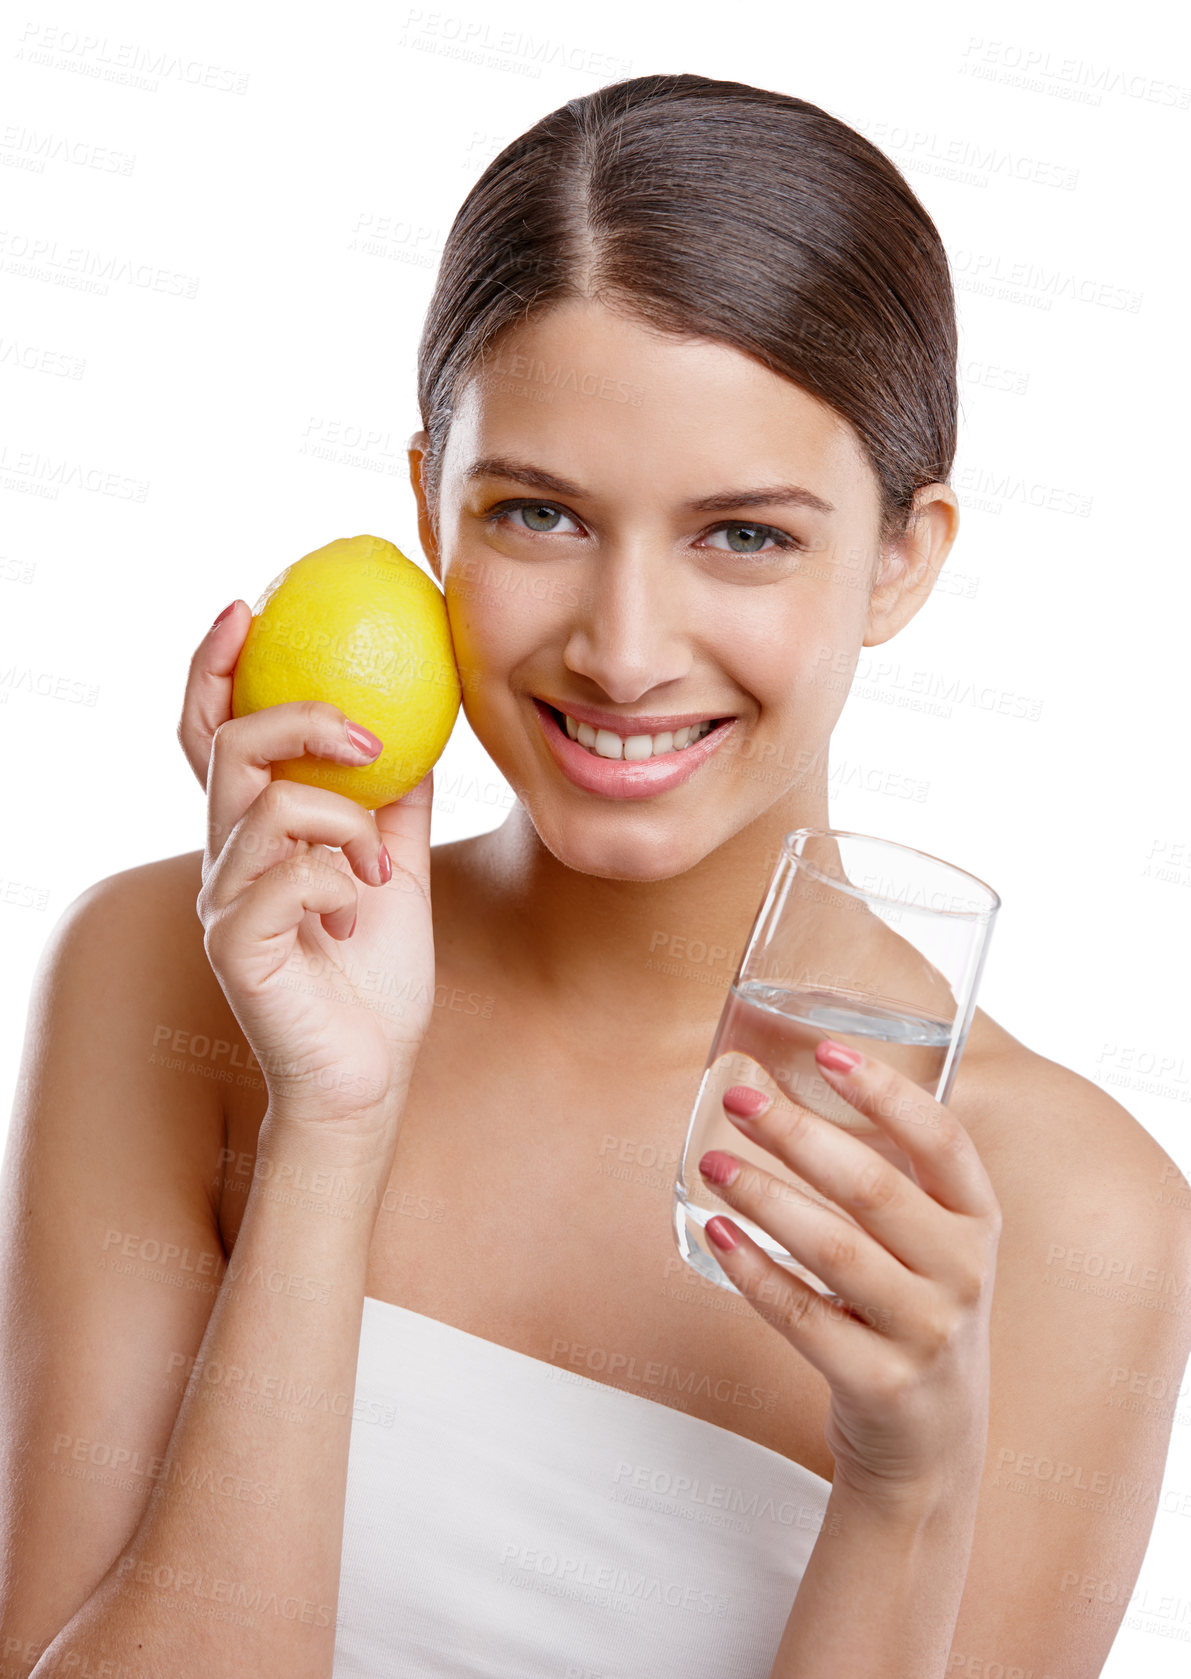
(167, 889)
(160, 896)
(163, 895)
(165, 993)
(1092, 1202)
(1038, 1121)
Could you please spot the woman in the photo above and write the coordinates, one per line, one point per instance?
(320, 1341)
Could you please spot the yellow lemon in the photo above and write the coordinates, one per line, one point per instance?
(358, 624)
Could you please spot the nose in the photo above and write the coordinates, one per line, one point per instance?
(627, 632)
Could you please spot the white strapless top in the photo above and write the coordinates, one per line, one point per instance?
(511, 1520)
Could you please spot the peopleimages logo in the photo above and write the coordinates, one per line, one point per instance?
(476, 41)
(1040, 71)
(582, 1571)
(31, 149)
(80, 269)
(127, 62)
(886, 680)
(997, 487)
(715, 1495)
(977, 270)
(973, 161)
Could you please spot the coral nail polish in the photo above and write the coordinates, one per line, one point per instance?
(363, 739)
(718, 1167)
(841, 1060)
(743, 1102)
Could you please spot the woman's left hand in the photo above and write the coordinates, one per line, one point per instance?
(904, 1343)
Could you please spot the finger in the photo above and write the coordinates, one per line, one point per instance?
(840, 1254)
(208, 699)
(284, 818)
(867, 1188)
(244, 749)
(943, 1155)
(404, 826)
(260, 926)
(821, 1329)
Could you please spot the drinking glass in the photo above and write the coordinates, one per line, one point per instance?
(860, 939)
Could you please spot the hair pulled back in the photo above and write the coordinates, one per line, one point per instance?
(718, 210)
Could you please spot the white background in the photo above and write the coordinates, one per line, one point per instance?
(179, 470)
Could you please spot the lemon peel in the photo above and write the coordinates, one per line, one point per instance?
(358, 624)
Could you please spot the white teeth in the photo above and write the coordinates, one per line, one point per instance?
(648, 746)
(606, 743)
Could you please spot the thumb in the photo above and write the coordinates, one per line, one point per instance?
(404, 828)
(208, 699)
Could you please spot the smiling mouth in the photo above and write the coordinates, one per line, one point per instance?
(606, 743)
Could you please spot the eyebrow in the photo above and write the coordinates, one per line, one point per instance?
(723, 501)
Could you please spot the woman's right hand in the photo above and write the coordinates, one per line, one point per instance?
(334, 1017)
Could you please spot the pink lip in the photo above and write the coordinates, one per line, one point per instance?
(618, 778)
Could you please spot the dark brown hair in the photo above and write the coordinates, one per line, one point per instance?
(716, 210)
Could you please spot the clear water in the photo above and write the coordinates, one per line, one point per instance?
(767, 1039)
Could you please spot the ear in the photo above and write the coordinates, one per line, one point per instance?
(416, 449)
(910, 564)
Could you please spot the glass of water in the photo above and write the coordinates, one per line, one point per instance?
(859, 939)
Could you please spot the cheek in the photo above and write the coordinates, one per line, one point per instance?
(795, 658)
(499, 619)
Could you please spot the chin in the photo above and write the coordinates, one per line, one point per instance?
(654, 854)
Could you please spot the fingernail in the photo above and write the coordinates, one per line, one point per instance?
(223, 615)
(363, 739)
(745, 1102)
(718, 1166)
(721, 1234)
(385, 864)
(841, 1060)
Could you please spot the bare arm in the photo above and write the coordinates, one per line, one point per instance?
(173, 1430)
(881, 1591)
(109, 1156)
(231, 1560)
(234, 1566)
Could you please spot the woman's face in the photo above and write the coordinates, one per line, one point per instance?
(585, 569)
